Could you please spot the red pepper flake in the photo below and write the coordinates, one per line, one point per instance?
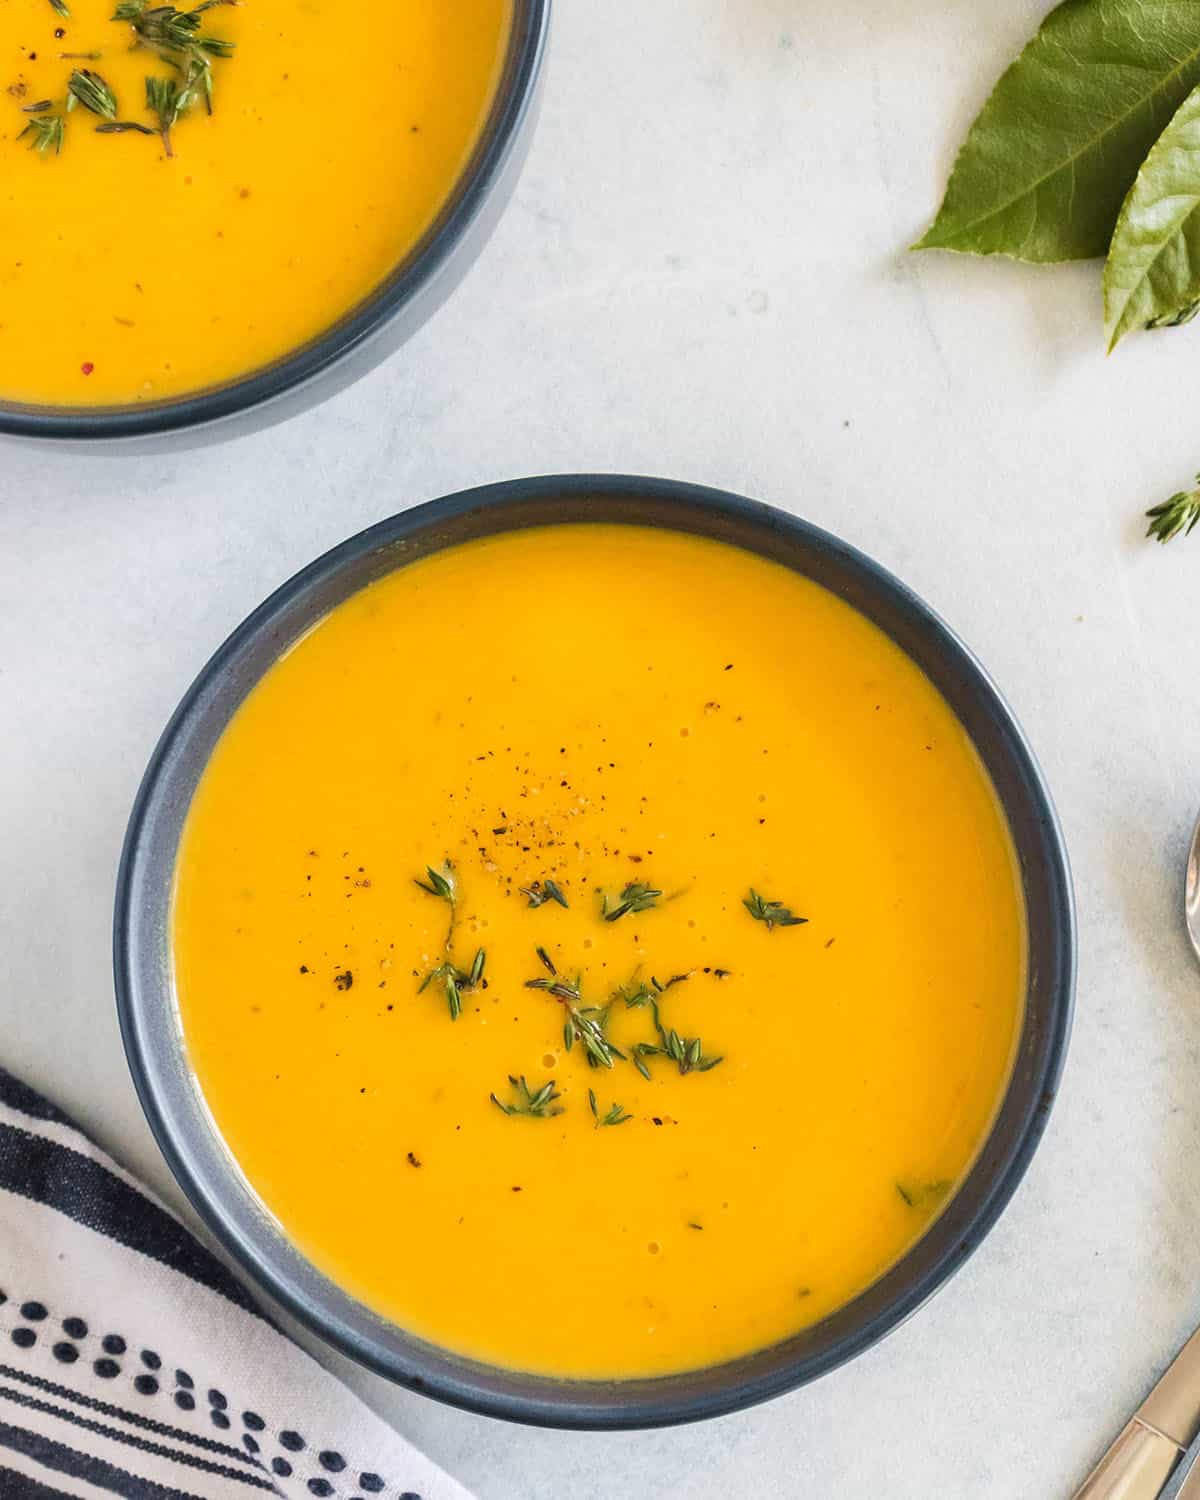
(87, 367)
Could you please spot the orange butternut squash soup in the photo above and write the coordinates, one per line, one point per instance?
(600, 947)
(149, 248)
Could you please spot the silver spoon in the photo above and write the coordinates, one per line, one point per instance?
(1191, 890)
(1144, 1456)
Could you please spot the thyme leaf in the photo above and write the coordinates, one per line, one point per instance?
(539, 1104)
(639, 1060)
(1178, 514)
(634, 897)
(586, 1024)
(45, 133)
(123, 127)
(687, 1052)
(88, 88)
(773, 913)
(561, 988)
(542, 891)
(440, 883)
(614, 1116)
(455, 980)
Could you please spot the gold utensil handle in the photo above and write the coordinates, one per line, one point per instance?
(1136, 1467)
(1141, 1460)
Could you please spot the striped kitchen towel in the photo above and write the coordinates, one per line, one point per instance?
(132, 1363)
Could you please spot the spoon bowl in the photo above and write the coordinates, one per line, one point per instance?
(1191, 890)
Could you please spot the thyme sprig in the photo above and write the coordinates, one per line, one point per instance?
(442, 884)
(773, 913)
(1178, 514)
(45, 133)
(541, 891)
(637, 992)
(562, 989)
(165, 25)
(586, 1024)
(175, 35)
(634, 897)
(171, 34)
(539, 1104)
(687, 1052)
(556, 985)
(455, 980)
(614, 1116)
(167, 100)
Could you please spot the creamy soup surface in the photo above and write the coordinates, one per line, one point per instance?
(599, 713)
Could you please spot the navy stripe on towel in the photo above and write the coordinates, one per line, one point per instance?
(16, 1486)
(131, 1418)
(76, 1465)
(188, 1460)
(89, 1193)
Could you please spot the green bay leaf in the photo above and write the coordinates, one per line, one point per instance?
(1153, 270)
(1047, 163)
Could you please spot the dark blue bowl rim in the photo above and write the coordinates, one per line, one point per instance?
(660, 1401)
(498, 138)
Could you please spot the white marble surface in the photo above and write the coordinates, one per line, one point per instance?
(703, 275)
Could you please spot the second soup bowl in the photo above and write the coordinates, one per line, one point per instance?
(306, 235)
